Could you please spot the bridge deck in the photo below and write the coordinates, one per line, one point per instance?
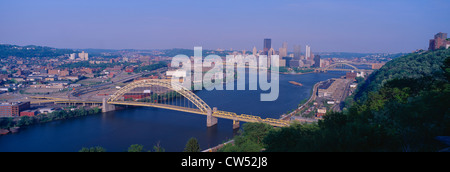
(218, 114)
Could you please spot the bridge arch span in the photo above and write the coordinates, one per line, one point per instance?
(340, 64)
(194, 99)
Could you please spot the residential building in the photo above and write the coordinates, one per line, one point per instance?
(440, 41)
(83, 56)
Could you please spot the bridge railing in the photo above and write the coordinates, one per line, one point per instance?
(250, 118)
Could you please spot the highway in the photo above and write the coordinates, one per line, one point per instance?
(103, 86)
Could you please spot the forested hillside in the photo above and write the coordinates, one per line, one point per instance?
(403, 106)
(414, 65)
(31, 51)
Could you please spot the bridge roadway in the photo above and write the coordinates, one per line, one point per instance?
(98, 87)
(218, 114)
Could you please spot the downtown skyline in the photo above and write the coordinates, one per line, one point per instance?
(328, 26)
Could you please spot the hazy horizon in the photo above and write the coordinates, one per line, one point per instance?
(357, 26)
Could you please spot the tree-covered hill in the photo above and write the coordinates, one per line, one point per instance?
(7, 50)
(414, 65)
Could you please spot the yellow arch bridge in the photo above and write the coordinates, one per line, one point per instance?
(338, 67)
(166, 95)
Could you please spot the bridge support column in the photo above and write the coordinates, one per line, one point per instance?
(107, 107)
(211, 120)
(235, 124)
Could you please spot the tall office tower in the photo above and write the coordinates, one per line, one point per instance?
(308, 52)
(255, 51)
(285, 45)
(316, 61)
(297, 54)
(269, 56)
(283, 52)
(267, 46)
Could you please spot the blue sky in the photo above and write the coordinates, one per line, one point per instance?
(326, 25)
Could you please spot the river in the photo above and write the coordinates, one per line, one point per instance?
(116, 131)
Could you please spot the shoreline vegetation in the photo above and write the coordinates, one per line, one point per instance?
(13, 124)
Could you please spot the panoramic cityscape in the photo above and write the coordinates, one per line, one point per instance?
(313, 76)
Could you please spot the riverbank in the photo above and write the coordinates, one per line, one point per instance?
(290, 73)
(304, 105)
(12, 125)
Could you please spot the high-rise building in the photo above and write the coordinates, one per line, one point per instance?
(83, 56)
(267, 46)
(297, 55)
(269, 56)
(316, 61)
(308, 52)
(255, 51)
(282, 52)
(285, 45)
(287, 60)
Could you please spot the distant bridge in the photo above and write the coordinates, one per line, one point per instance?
(55, 100)
(338, 67)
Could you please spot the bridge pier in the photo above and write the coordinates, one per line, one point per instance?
(211, 120)
(235, 124)
(107, 107)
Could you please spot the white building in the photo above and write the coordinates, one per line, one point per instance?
(308, 52)
(72, 56)
(83, 56)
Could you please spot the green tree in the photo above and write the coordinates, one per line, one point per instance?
(192, 145)
(158, 148)
(250, 138)
(93, 149)
(25, 120)
(136, 148)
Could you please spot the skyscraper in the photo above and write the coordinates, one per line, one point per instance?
(307, 52)
(297, 54)
(255, 51)
(283, 52)
(267, 46)
(269, 56)
(316, 61)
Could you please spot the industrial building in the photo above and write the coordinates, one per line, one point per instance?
(13, 109)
